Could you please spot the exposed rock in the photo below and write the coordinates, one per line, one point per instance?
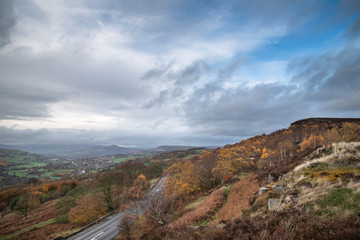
(274, 204)
(193, 227)
(280, 179)
(262, 190)
(279, 191)
(270, 179)
(288, 199)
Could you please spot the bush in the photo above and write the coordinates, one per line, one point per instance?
(13, 203)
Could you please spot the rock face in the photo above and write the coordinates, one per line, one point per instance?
(279, 191)
(262, 190)
(274, 205)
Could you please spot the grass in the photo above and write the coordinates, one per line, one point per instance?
(241, 175)
(227, 190)
(153, 181)
(206, 221)
(343, 198)
(122, 159)
(331, 174)
(39, 225)
(195, 204)
(66, 232)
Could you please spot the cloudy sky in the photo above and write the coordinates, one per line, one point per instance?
(151, 72)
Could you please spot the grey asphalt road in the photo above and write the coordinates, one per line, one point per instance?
(108, 229)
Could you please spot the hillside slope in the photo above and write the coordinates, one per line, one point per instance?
(305, 185)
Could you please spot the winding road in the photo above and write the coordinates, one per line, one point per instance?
(108, 228)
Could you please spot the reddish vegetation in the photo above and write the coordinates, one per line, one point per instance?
(240, 196)
(281, 226)
(204, 211)
(12, 223)
(43, 233)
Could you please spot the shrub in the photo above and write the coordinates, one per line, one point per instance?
(240, 196)
(13, 203)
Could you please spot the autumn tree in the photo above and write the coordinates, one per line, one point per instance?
(131, 171)
(63, 206)
(232, 160)
(125, 226)
(203, 168)
(25, 203)
(139, 187)
(350, 132)
(225, 164)
(88, 208)
(332, 135)
(285, 143)
(312, 141)
(106, 183)
(153, 171)
(263, 161)
(182, 178)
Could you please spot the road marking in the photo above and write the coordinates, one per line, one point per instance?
(97, 235)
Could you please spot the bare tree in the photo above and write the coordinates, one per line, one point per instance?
(160, 208)
(125, 225)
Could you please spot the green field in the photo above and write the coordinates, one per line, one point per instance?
(122, 159)
(26, 165)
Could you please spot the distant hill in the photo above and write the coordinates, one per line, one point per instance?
(47, 148)
(101, 151)
(166, 148)
(336, 121)
(83, 150)
(71, 150)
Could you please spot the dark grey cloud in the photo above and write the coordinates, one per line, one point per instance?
(114, 136)
(22, 102)
(178, 81)
(191, 74)
(157, 72)
(332, 79)
(243, 111)
(32, 82)
(7, 21)
(32, 10)
(327, 84)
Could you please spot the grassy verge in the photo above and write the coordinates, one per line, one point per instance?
(39, 225)
(66, 232)
(195, 204)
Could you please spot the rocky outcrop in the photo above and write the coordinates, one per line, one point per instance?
(279, 191)
(274, 205)
(262, 190)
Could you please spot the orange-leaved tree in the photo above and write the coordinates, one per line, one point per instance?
(138, 188)
(182, 178)
(230, 161)
(88, 208)
(312, 141)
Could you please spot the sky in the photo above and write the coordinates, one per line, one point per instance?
(143, 73)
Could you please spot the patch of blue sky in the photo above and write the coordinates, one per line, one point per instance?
(299, 44)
